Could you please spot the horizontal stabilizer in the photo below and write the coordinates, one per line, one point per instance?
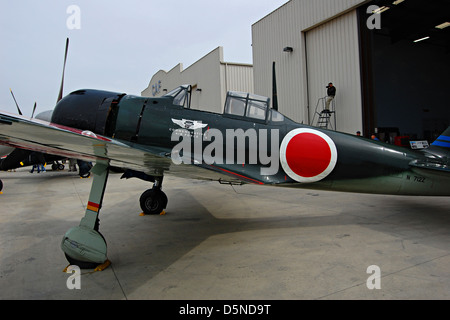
(431, 165)
(437, 155)
(440, 149)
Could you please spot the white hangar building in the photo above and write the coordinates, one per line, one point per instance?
(390, 66)
(210, 77)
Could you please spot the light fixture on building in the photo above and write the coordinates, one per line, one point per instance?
(443, 25)
(198, 90)
(396, 2)
(288, 49)
(380, 10)
(421, 39)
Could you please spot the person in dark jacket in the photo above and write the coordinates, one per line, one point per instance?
(331, 93)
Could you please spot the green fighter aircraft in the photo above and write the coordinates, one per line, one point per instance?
(250, 143)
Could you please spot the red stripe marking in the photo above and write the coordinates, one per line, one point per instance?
(92, 204)
(241, 176)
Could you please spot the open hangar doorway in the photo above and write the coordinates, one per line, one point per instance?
(406, 69)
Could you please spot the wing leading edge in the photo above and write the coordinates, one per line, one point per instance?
(36, 135)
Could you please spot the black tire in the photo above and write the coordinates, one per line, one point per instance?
(85, 175)
(1, 185)
(153, 201)
(61, 167)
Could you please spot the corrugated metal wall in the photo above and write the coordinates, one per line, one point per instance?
(210, 74)
(269, 36)
(236, 77)
(333, 56)
(289, 26)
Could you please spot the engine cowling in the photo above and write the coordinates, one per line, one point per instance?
(86, 109)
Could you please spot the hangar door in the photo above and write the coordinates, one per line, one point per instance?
(332, 55)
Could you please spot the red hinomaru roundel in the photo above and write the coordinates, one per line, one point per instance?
(307, 155)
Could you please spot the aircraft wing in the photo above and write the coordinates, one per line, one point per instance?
(32, 134)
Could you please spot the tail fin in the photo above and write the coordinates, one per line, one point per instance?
(437, 155)
(444, 140)
(441, 147)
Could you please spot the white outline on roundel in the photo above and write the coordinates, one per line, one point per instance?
(285, 164)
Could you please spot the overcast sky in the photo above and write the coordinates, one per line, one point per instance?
(114, 45)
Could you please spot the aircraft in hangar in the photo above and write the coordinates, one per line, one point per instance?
(250, 143)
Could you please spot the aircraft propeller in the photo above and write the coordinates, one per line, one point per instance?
(61, 89)
(15, 155)
(64, 68)
(17, 105)
(34, 109)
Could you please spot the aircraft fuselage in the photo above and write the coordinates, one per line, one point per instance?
(266, 147)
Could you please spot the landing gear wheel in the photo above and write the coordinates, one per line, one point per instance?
(153, 201)
(1, 185)
(61, 167)
(86, 244)
(85, 175)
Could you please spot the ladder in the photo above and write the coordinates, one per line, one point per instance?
(325, 116)
(324, 119)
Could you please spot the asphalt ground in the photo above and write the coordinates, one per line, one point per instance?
(221, 242)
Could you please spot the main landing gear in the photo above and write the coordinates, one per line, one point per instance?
(84, 246)
(154, 201)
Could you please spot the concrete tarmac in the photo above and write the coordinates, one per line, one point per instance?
(222, 242)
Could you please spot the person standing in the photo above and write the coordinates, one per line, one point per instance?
(331, 93)
(41, 167)
(72, 165)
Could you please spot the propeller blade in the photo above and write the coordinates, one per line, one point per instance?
(18, 109)
(64, 68)
(274, 89)
(34, 109)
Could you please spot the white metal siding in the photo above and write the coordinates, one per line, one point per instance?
(287, 26)
(238, 77)
(210, 74)
(333, 56)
